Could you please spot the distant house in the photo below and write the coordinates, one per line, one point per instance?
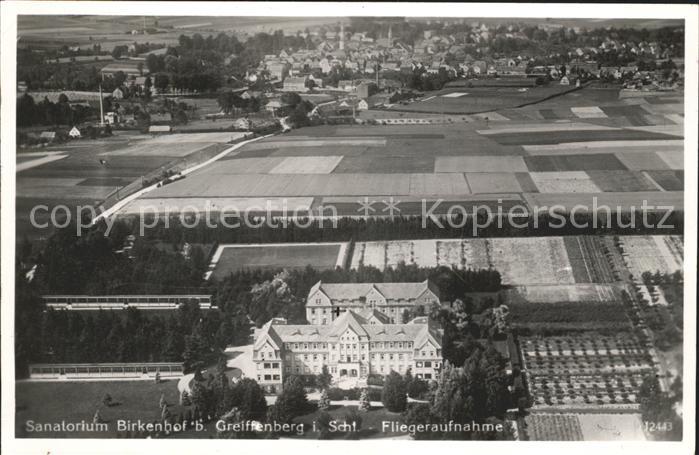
(159, 129)
(117, 94)
(276, 70)
(296, 84)
(128, 67)
(565, 80)
(110, 118)
(74, 133)
(363, 105)
(273, 106)
(48, 136)
(345, 85)
(241, 124)
(161, 118)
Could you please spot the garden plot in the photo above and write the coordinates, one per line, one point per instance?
(424, 252)
(621, 181)
(668, 180)
(554, 293)
(642, 161)
(307, 165)
(583, 162)
(204, 138)
(651, 253)
(588, 112)
(586, 370)
(286, 207)
(564, 182)
(588, 259)
(533, 260)
(553, 427)
(493, 182)
(148, 148)
(459, 253)
(542, 127)
(674, 160)
(397, 252)
(242, 166)
(450, 253)
(604, 146)
(318, 142)
(480, 164)
(374, 255)
(611, 427)
(436, 185)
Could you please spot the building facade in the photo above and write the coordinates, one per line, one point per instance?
(353, 346)
(327, 301)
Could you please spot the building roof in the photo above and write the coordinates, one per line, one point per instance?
(390, 291)
(279, 332)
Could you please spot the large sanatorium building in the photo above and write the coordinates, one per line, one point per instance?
(327, 301)
(353, 345)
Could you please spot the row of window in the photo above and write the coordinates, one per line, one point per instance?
(268, 366)
(372, 345)
(269, 377)
(354, 357)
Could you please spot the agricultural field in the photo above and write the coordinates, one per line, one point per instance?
(86, 172)
(554, 293)
(594, 150)
(531, 260)
(468, 100)
(233, 258)
(541, 261)
(651, 253)
(587, 370)
(588, 257)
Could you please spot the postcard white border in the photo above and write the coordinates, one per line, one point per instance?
(8, 13)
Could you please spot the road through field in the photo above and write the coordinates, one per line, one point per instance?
(122, 203)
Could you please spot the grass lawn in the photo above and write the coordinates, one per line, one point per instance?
(73, 402)
(371, 427)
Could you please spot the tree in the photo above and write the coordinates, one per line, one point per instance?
(364, 403)
(324, 400)
(323, 422)
(354, 418)
(324, 378)
(394, 393)
(292, 401)
(420, 414)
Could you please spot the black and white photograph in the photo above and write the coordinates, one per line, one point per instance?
(305, 225)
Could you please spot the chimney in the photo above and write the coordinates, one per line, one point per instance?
(342, 36)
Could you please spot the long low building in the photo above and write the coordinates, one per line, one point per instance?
(137, 370)
(352, 346)
(326, 301)
(122, 302)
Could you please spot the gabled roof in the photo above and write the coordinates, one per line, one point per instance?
(391, 291)
(348, 320)
(268, 332)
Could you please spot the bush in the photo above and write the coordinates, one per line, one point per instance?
(394, 395)
(375, 379)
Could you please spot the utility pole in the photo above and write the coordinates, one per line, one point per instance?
(101, 108)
